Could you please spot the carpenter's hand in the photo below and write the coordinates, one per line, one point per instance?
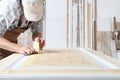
(41, 42)
(26, 50)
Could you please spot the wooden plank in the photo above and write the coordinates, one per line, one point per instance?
(104, 43)
(95, 33)
(86, 63)
(89, 25)
(107, 42)
(61, 74)
(78, 25)
(84, 7)
(81, 58)
(114, 49)
(115, 27)
(60, 58)
(118, 26)
(95, 24)
(67, 26)
(99, 39)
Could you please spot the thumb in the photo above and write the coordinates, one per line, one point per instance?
(37, 39)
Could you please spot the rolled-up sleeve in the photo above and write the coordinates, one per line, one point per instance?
(3, 26)
(37, 26)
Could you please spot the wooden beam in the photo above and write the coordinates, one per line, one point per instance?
(84, 23)
(78, 24)
(95, 25)
(89, 24)
(115, 27)
(67, 39)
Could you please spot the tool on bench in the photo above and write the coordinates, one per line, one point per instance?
(36, 46)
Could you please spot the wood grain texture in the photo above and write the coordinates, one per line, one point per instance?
(60, 58)
(104, 42)
(36, 46)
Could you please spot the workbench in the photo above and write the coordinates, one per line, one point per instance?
(60, 64)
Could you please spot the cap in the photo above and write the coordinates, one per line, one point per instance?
(33, 9)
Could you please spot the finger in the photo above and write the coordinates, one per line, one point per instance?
(37, 39)
(41, 40)
(24, 53)
(28, 51)
(32, 49)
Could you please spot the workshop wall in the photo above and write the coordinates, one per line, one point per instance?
(106, 10)
(55, 23)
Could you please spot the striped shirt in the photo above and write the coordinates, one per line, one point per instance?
(12, 17)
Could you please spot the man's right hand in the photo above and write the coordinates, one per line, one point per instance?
(26, 50)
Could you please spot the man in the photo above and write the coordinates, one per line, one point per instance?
(16, 16)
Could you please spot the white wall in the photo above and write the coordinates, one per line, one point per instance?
(107, 9)
(56, 20)
(55, 23)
